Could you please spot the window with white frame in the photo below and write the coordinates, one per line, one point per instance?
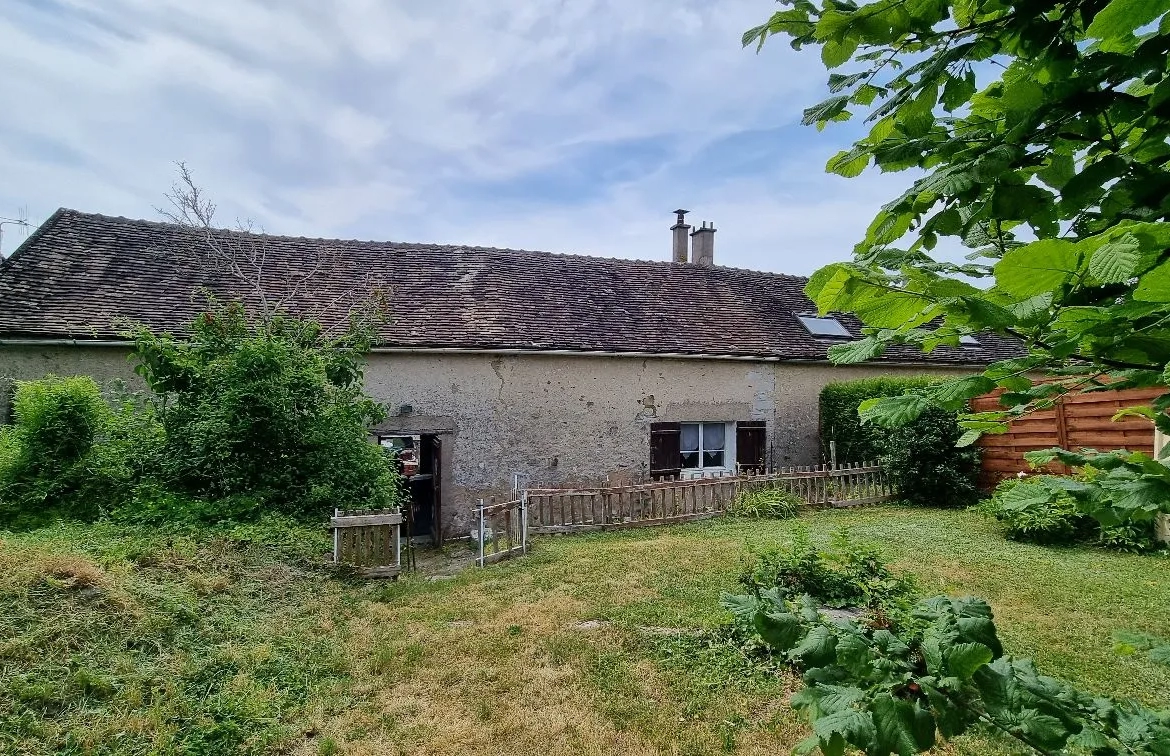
(703, 446)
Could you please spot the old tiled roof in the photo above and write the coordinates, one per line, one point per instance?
(83, 276)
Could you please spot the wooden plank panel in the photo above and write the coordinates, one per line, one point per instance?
(393, 518)
(1103, 422)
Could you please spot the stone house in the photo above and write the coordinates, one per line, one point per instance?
(495, 363)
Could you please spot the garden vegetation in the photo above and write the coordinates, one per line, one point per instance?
(244, 417)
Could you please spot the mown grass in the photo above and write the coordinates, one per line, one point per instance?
(122, 641)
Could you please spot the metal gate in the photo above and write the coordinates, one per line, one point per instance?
(502, 529)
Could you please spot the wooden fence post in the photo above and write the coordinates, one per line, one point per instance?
(1162, 524)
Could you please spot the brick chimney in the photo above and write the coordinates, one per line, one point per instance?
(679, 231)
(703, 244)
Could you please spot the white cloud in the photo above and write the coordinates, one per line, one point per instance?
(439, 122)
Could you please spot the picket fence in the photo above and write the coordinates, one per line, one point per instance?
(673, 500)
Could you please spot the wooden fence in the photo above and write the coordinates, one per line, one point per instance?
(848, 485)
(369, 541)
(503, 530)
(1080, 421)
(572, 510)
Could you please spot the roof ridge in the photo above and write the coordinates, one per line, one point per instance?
(430, 246)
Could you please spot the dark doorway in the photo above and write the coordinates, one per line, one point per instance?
(419, 463)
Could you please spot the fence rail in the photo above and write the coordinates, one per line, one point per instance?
(369, 541)
(608, 507)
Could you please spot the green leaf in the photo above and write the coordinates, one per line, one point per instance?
(854, 726)
(963, 659)
(1121, 17)
(1060, 169)
(958, 391)
(1116, 261)
(957, 91)
(1090, 738)
(1160, 654)
(902, 727)
(849, 163)
(969, 437)
(779, 630)
(892, 411)
(742, 607)
(834, 53)
(1155, 285)
(1138, 411)
(1085, 187)
(855, 351)
(853, 653)
(1037, 268)
(833, 698)
(825, 111)
(917, 117)
(818, 649)
(1043, 729)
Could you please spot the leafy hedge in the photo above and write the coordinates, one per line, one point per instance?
(840, 422)
(922, 458)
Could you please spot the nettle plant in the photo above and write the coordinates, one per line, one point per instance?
(1039, 132)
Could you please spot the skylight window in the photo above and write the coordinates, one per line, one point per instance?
(968, 341)
(819, 326)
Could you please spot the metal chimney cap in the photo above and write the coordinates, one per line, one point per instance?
(681, 215)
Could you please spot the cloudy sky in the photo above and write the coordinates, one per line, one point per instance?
(537, 124)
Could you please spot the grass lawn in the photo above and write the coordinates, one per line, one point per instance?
(127, 641)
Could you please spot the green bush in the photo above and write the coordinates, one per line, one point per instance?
(921, 458)
(266, 415)
(924, 463)
(57, 420)
(839, 420)
(53, 456)
(847, 574)
(1042, 509)
(1052, 521)
(1134, 537)
(772, 503)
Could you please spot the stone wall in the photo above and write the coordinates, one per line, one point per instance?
(559, 419)
(549, 419)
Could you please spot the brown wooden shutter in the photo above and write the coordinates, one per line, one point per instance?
(751, 443)
(664, 450)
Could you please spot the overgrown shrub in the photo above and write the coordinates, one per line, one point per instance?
(67, 453)
(1053, 521)
(847, 574)
(773, 503)
(1042, 509)
(926, 466)
(921, 458)
(839, 421)
(266, 413)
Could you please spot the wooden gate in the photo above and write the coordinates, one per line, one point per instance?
(369, 541)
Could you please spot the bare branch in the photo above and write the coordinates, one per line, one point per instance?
(275, 289)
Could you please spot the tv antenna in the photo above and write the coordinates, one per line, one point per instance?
(21, 220)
